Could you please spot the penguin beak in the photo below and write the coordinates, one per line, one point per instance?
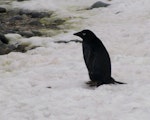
(78, 34)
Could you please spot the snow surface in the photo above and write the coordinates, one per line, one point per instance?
(24, 77)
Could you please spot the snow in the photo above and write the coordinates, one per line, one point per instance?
(24, 77)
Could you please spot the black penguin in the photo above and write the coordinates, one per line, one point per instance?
(96, 59)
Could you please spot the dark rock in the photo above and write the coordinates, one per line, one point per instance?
(37, 33)
(11, 31)
(39, 14)
(17, 17)
(26, 33)
(3, 39)
(118, 12)
(34, 14)
(20, 48)
(13, 12)
(26, 12)
(58, 22)
(2, 10)
(5, 49)
(35, 23)
(49, 87)
(23, 48)
(28, 23)
(55, 23)
(99, 4)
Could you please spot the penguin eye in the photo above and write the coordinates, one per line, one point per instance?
(83, 33)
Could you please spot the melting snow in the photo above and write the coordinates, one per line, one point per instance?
(24, 77)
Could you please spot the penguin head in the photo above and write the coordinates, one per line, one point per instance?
(85, 34)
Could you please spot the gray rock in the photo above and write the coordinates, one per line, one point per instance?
(17, 17)
(24, 48)
(5, 49)
(11, 31)
(20, 48)
(34, 14)
(28, 23)
(26, 33)
(37, 33)
(39, 14)
(24, 12)
(2, 10)
(99, 4)
(35, 23)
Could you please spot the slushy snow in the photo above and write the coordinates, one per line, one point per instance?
(123, 27)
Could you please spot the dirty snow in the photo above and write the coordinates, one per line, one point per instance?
(24, 77)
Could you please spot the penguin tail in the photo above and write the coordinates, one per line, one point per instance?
(116, 82)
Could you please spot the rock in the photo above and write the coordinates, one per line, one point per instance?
(11, 31)
(99, 4)
(49, 87)
(26, 33)
(52, 23)
(3, 39)
(37, 33)
(34, 14)
(5, 49)
(29, 34)
(39, 14)
(35, 23)
(20, 48)
(28, 23)
(2, 10)
(26, 12)
(17, 17)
